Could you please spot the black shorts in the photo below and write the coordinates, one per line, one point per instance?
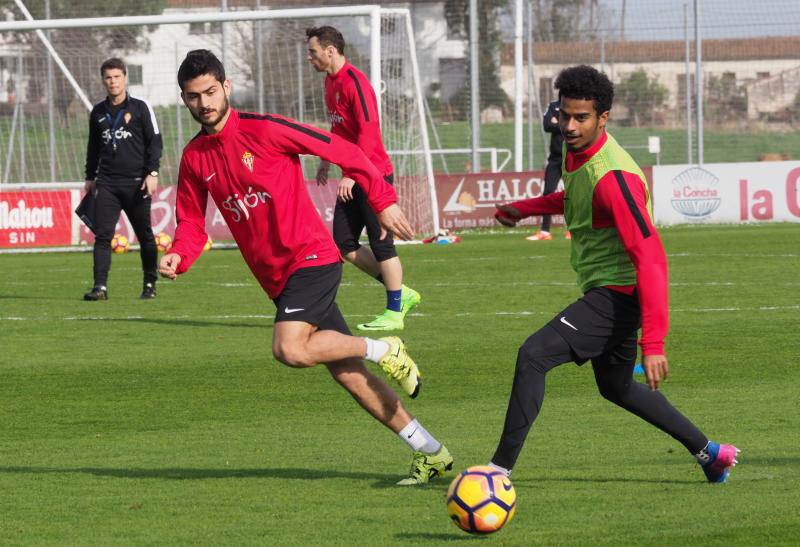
(351, 217)
(310, 296)
(602, 326)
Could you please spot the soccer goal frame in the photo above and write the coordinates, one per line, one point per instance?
(374, 14)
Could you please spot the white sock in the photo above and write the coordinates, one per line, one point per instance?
(416, 437)
(502, 469)
(375, 349)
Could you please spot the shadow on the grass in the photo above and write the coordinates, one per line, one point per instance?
(381, 480)
(183, 322)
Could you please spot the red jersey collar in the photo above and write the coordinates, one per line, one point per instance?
(231, 125)
(576, 159)
(342, 71)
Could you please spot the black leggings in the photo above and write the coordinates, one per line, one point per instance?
(109, 202)
(545, 350)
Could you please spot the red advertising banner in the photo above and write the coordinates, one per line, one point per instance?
(468, 200)
(38, 218)
(35, 218)
(162, 214)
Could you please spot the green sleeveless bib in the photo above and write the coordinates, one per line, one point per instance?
(597, 255)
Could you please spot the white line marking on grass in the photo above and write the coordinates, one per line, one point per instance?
(477, 258)
(758, 308)
(523, 313)
(734, 255)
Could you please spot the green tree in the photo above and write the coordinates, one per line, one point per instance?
(724, 99)
(640, 94)
(566, 20)
(82, 50)
(489, 43)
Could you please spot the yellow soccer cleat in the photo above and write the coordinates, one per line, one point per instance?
(424, 466)
(399, 365)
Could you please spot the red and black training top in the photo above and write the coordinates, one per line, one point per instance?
(252, 170)
(353, 113)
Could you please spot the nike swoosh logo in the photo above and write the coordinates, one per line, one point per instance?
(292, 310)
(211, 176)
(412, 433)
(567, 323)
(508, 487)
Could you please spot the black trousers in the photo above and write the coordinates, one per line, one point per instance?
(110, 200)
(600, 327)
(552, 174)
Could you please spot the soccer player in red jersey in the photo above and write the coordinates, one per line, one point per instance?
(622, 272)
(250, 165)
(353, 113)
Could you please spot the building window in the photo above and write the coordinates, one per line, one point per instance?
(762, 75)
(135, 75)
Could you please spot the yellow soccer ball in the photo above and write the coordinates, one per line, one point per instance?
(163, 242)
(481, 500)
(119, 244)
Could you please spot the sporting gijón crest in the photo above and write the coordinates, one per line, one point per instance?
(248, 159)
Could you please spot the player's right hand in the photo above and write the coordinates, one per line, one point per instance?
(507, 215)
(88, 186)
(168, 265)
(345, 190)
(656, 370)
(393, 220)
(322, 172)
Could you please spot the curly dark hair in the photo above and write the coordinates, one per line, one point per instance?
(197, 63)
(587, 83)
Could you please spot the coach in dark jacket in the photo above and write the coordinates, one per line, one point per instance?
(122, 160)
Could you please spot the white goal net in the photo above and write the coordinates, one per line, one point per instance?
(51, 74)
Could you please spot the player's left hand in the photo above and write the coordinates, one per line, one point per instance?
(149, 185)
(393, 220)
(507, 215)
(656, 369)
(344, 192)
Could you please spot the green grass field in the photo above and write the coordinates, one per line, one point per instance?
(169, 422)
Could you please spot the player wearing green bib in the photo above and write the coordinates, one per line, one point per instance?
(622, 271)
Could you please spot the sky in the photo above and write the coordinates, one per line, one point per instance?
(663, 19)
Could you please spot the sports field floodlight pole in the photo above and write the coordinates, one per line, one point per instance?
(54, 54)
(474, 93)
(698, 50)
(518, 85)
(687, 84)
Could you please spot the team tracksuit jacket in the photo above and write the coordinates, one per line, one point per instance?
(353, 114)
(124, 142)
(252, 170)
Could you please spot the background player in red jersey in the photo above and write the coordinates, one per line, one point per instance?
(353, 113)
(250, 165)
(622, 272)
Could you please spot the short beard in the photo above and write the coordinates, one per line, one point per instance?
(223, 111)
